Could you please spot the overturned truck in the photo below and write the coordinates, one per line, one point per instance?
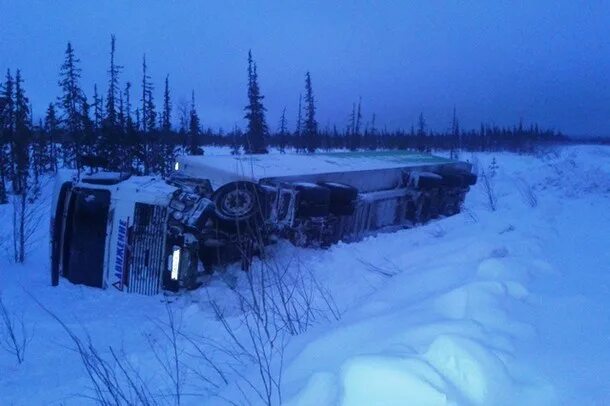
(145, 234)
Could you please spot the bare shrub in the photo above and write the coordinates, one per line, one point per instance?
(471, 214)
(386, 271)
(527, 193)
(14, 335)
(169, 354)
(114, 379)
(490, 192)
(30, 210)
(276, 300)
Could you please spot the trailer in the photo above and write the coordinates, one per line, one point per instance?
(147, 234)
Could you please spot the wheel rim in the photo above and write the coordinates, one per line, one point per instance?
(237, 203)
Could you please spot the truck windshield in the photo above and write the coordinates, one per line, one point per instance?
(85, 238)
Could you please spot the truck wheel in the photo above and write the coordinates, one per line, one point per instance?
(237, 202)
(429, 180)
(452, 180)
(313, 200)
(425, 209)
(342, 198)
(469, 178)
(459, 179)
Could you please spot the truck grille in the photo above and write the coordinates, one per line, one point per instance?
(148, 247)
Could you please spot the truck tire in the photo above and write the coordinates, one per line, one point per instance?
(429, 180)
(459, 179)
(312, 200)
(469, 178)
(453, 180)
(237, 203)
(425, 209)
(342, 198)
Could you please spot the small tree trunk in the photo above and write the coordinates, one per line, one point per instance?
(22, 218)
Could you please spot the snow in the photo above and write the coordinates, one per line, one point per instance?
(486, 307)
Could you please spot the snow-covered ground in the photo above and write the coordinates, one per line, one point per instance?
(484, 308)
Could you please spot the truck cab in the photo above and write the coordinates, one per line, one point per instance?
(113, 231)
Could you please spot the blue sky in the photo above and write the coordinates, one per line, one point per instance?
(496, 61)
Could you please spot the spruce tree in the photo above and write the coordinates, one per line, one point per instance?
(110, 140)
(167, 108)
(113, 87)
(422, 144)
(194, 130)
(71, 102)
(300, 145)
(7, 129)
(98, 111)
(89, 138)
(283, 134)
(373, 142)
(21, 155)
(255, 140)
(132, 139)
(51, 126)
(357, 135)
(167, 141)
(310, 130)
(455, 142)
(355, 141)
(149, 113)
(148, 121)
(38, 154)
(236, 137)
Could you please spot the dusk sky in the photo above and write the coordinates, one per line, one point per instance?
(496, 61)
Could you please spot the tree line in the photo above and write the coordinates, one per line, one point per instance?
(121, 130)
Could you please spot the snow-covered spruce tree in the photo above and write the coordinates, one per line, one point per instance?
(255, 140)
(310, 126)
(194, 132)
(71, 103)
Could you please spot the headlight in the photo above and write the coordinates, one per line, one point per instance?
(175, 263)
(177, 166)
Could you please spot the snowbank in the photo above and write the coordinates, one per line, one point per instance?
(487, 307)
